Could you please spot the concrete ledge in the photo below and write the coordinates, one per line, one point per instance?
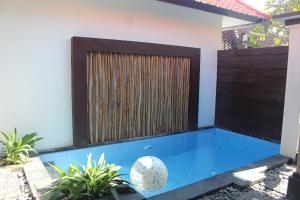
(37, 176)
(11, 168)
(130, 196)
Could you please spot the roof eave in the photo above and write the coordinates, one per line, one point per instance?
(289, 18)
(214, 9)
(291, 22)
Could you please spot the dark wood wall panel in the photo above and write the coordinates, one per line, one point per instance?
(82, 47)
(250, 91)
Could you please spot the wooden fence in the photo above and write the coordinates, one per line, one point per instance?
(136, 95)
(251, 90)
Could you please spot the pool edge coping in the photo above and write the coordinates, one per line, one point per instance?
(40, 181)
(38, 177)
(197, 189)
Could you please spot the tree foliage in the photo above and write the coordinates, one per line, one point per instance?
(273, 30)
(277, 7)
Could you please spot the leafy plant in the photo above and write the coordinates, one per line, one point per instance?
(17, 151)
(277, 7)
(93, 181)
(257, 36)
(275, 30)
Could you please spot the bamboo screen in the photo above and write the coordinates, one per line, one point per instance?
(136, 95)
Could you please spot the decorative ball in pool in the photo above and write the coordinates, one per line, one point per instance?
(149, 174)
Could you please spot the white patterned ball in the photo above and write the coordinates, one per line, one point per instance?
(149, 174)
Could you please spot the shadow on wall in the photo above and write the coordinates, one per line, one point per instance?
(90, 9)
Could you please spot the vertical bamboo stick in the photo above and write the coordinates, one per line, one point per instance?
(136, 95)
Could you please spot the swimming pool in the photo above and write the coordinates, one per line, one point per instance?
(190, 157)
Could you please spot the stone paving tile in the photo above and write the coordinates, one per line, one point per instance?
(14, 186)
(227, 193)
(24, 186)
(258, 191)
(274, 187)
(276, 181)
(287, 170)
(9, 186)
(235, 193)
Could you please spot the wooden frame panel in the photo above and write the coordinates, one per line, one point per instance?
(81, 46)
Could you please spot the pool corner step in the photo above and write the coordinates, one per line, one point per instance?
(252, 176)
(255, 172)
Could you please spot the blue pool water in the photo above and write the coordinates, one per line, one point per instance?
(189, 157)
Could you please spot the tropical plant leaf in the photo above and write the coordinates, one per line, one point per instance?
(114, 193)
(17, 151)
(93, 181)
(31, 139)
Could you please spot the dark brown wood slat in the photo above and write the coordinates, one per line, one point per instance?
(249, 127)
(255, 64)
(251, 108)
(256, 90)
(262, 51)
(260, 58)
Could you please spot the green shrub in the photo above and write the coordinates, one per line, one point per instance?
(93, 181)
(17, 151)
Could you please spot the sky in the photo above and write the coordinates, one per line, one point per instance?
(258, 4)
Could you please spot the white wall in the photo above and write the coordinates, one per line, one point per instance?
(35, 66)
(228, 22)
(291, 116)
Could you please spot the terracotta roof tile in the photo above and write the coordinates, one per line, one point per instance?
(236, 6)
